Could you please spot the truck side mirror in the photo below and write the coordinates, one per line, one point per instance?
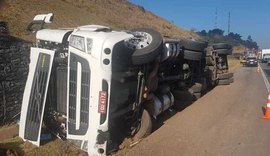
(39, 21)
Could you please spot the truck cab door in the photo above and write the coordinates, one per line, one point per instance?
(35, 94)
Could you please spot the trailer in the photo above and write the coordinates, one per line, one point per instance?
(265, 55)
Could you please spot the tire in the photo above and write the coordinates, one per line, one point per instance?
(193, 45)
(222, 46)
(197, 95)
(203, 82)
(225, 81)
(209, 61)
(193, 55)
(223, 51)
(182, 95)
(182, 99)
(210, 56)
(212, 76)
(225, 76)
(210, 51)
(143, 55)
(197, 87)
(146, 125)
(222, 71)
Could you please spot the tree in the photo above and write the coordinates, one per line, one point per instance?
(203, 33)
(249, 43)
(216, 32)
(249, 38)
(234, 36)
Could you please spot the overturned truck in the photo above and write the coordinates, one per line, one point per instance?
(92, 85)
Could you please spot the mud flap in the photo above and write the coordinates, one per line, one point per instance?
(35, 94)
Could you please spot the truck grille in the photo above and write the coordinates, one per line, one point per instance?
(36, 101)
(61, 89)
(84, 96)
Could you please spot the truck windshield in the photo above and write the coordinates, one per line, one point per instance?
(266, 55)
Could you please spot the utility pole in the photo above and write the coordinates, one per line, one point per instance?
(229, 23)
(216, 19)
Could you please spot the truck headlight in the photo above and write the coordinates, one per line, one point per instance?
(89, 43)
(77, 42)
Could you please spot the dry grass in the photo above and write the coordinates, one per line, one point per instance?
(239, 49)
(233, 64)
(55, 147)
(118, 14)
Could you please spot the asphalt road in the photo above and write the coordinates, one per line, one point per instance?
(225, 122)
(266, 70)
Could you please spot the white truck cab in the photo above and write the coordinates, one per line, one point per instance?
(265, 55)
(90, 64)
(89, 72)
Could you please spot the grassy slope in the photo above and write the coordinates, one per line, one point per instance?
(118, 14)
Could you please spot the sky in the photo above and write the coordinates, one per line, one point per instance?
(247, 17)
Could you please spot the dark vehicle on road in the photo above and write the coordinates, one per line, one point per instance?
(268, 61)
(251, 61)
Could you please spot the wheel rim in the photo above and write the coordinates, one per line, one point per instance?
(140, 40)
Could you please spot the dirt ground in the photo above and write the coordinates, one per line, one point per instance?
(226, 121)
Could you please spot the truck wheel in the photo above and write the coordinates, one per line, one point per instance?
(225, 81)
(203, 82)
(197, 87)
(223, 51)
(148, 45)
(225, 76)
(197, 95)
(209, 61)
(193, 45)
(210, 58)
(193, 55)
(145, 127)
(222, 71)
(212, 76)
(182, 99)
(222, 46)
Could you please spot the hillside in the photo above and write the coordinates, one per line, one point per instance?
(118, 14)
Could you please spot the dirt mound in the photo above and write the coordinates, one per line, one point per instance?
(14, 60)
(118, 14)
